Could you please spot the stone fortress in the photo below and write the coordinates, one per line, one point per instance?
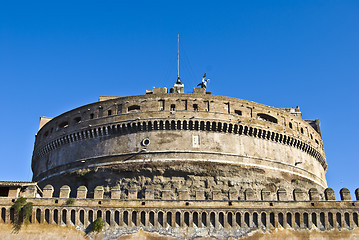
(178, 165)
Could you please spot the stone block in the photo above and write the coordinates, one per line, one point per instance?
(266, 195)
(282, 195)
(81, 192)
(115, 192)
(65, 191)
(345, 194)
(183, 194)
(250, 195)
(149, 194)
(14, 192)
(132, 193)
(98, 192)
(329, 194)
(233, 195)
(48, 191)
(30, 192)
(199, 91)
(217, 195)
(200, 195)
(159, 90)
(299, 195)
(314, 194)
(166, 195)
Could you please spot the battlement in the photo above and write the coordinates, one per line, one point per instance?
(225, 214)
(181, 194)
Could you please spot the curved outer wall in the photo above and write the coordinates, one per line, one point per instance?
(196, 141)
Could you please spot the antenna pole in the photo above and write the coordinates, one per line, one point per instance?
(178, 56)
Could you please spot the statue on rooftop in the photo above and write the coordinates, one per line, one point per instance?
(203, 84)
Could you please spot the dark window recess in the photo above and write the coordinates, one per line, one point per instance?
(238, 112)
(64, 124)
(301, 130)
(119, 109)
(162, 105)
(92, 116)
(77, 119)
(109, 112)
(266, 117)
(4, 191)
(46, 133)
(134, 108)
(173, 107)
(195, 107)
(290, 125)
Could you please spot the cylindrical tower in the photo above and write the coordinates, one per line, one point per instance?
(186, 141)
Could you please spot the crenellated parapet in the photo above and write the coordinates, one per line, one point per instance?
(224, 214)
(181, 194)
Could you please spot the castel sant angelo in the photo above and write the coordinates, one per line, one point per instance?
(174, 165)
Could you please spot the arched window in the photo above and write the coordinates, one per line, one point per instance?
(169, 219)
(73, 217)
(212, 218)
(178, 219)
(108, 217)
(289, 219)
(134, 218)
(143, 218)
(47, 216)
(63, 125)
(221, 219)
(117, 217)
(77, 119)
(152, 218)
(82, 217)
(204, 219)
(56, 216)
(266, 117)
(160, 219)
(230, 219)
(186, 219)
(125, 218)
(195, 219)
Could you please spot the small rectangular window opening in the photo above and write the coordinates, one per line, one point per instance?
(173, 107)
(195, 107)
(162, 105)
(119, 109)
(92, 116)
(238, 112)
(109, 112)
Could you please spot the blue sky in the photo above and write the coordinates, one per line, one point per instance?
(58, 55)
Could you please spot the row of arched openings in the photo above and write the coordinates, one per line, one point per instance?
(322, 220)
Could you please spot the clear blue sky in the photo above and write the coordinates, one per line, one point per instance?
(58, 55)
